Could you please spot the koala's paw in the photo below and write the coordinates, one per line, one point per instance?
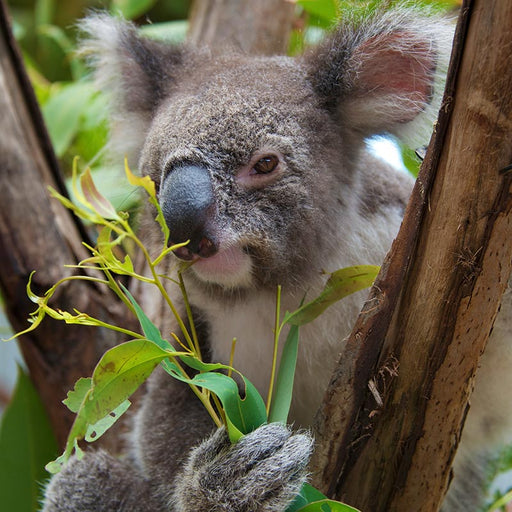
(262, 472)
(98, 483)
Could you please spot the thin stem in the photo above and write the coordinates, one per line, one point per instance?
(277, 330)
(158, 283)
(231, 357)
(204, 395)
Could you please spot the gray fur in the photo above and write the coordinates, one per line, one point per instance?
(328, 204)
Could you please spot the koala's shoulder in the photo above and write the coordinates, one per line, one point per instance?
(383, 187)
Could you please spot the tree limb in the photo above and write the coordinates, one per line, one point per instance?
(434, 303)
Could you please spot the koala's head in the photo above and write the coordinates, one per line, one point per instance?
(255, 157)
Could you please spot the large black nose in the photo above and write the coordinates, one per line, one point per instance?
(188, 206)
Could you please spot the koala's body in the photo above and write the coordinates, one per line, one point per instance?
(261, 162)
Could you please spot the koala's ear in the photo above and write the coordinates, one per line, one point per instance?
(134, 71)
(379, 74)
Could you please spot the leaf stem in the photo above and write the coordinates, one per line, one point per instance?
(277, 330)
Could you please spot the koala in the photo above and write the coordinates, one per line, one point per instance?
(262, 164)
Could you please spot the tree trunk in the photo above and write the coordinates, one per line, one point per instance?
(260, 28)
(417, 343)
(37, 233)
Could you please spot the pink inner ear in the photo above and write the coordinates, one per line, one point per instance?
(397, 64)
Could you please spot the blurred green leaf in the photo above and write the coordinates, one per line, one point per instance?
(169, 31)
(63, 111)
(410, 159)
(132, 9)
(325, 10)
(27, 443)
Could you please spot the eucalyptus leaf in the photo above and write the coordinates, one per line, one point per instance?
(312, 500)
(105, 249)
(76, 396)
(341, 283)
(282, 398)
(118, 374)
(243, 415)
(150, 330)
(95, 431)
(100, 204)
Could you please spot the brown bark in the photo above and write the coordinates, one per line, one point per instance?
(260, 28)
(37, 233)
(418, 339)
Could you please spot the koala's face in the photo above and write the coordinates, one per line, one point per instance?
(256, 159)
(243, 154)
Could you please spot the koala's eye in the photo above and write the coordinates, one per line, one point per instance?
(266, 164)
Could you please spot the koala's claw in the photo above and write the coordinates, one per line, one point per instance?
(262, 472)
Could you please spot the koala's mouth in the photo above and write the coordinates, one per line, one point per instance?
(229, 267)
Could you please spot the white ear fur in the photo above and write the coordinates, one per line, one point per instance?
(101, 44)
(386, 73)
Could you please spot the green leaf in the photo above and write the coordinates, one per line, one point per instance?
(312, 500)
(26, 444)
(280, 406)
(243, 415)
(132, 9)
(99, 203)
(62, 113)
(150, 330)
(325, 9)
(327, 506)
(105, 249)
(169, 31)
(118, 374)
(341, 283)
(95, 431)
(76, 396)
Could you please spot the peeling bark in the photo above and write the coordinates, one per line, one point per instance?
(434, 303)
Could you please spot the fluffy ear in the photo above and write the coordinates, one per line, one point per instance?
(379, 74)
(136, 73)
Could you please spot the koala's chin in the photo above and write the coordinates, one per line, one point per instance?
(229, 268)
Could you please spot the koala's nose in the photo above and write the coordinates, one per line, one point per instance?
(188, 206)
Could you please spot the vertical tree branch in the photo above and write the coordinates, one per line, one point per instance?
(434, 303)
(260, 28)
(37, 233)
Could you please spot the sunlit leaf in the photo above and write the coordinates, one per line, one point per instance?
(137, 181)
(118, 374)
(95, 431)
(62, 113)
(76, 396)
(98, 202)
(105, 249)
(341, 283)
